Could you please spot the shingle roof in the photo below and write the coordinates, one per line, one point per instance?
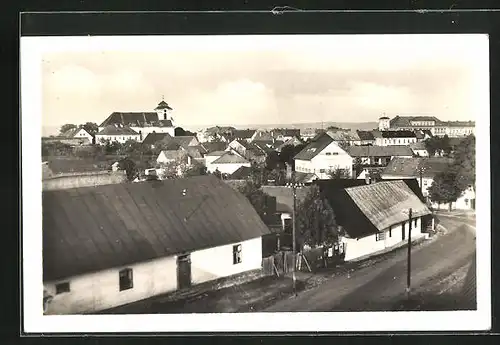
(409, 167)
(284, 196)
(135, 119)
(163, 105)
(94, 228)
(113, 130)
(230, 158)
(379, 151)
(315, 147)
(385, 203)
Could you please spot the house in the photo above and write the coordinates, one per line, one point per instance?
(262, 135)
(179, 155)
(308, 133)
(249, 150)
(215, 133)
(347, 137)
(242, 134)
(305, 178)
(243, 173)
(143, 123)
(110, 245)
(227, 163)
(153, 139)
(423, 134)
(424, 169)
(117, 134)
(213, 146)
(76, 136)
(377, 155)
(285, 134)
(430, 123)
(323, 155)
(375, 217)
(294, 141)
(419, 149)
(399, 137)
(268, 146)
(366, 137)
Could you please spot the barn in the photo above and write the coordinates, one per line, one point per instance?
(109, 245)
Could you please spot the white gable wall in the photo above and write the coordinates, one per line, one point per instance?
(226, 168)
(331, 157)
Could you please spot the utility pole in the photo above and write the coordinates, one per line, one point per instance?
(294, 248)
(408, 277)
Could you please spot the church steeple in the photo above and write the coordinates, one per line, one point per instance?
(163, 110)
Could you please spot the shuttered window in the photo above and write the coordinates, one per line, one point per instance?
(62, 288)
(126, 279)
(380, 236)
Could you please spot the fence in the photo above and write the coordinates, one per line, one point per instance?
(279, 263)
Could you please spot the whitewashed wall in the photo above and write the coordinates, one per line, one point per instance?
(331, 157)
(118, 138)
(214, 263)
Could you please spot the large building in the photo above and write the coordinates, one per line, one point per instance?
(142, 123)
(432, 123)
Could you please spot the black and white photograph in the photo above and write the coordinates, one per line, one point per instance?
(256, 183)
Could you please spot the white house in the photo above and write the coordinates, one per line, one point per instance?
(399, 137)
(452, 129)
(419, 149)
(226, 163)
(322, 156)
(378, 155)
(144, 123)
(79, 134)
(110, 245)
(375, 217)
(116, 133)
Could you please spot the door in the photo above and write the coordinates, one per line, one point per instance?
(183, 271)
(403, 231)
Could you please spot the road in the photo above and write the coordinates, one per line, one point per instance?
(380, 286)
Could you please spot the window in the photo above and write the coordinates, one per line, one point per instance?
(237, 254)
(328, 153)
(390, 231)
(380, 236)
(126, 279)
(62, 288)
(415, 222)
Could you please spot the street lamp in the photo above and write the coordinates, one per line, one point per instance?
(294, 187)
(408, 277)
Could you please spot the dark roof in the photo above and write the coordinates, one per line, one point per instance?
(214, 146)
(242, 173)
(284, 196)
(398, 134)
(94, 228)
(195, 151)
(243, 133)
(302, 177)
(365, 135)
(404, 121)
(135, 119)
(379, 151)
(219, 130)
(70, 133)
(163, 105)
(384, 118)
(184, 140)
(315, 147)
(409, 167)
(230, 158)
(367, 209)
(153, 138)
(113, 130)
(419, 145)
(286, 132)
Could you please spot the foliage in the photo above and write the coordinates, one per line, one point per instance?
(180, 168)
(288, 152)
(464, 163)
(130, 168)
(357, 166)
(338, 174)
(179, 132)
(439, 145)
(217, 173)
(66, 127)
(273, 160)
(91, 127)
(444, 188)
(256, 196)
(56, 148)
(276, 175)
(316, 224)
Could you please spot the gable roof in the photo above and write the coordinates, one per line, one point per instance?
(216, 153)
(379, 151)
(409, 167)
(263, 135)
(385, 203)
(114, 130)
(302, 177)
(214, 146)
(315, 147)
(419, 145)
(194, 151)
(94, 228)
(242, 173)
(153, 138)
(243, 133)
(173, 154)
(135, 119)
(230, 158)
(343, 135)
(286, 132)
(71, 133)
(184, 140)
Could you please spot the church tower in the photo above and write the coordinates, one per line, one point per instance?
(163, 110)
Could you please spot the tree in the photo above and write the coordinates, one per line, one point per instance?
(273, 160)
(444, 188)
(438, 145)
(130, 168)
(315, 220)
(288, 152)
(357, 166)
(256, 196)
(179, 132)
(66, 127)
(339, 173)
(464, 163)
(91, 127)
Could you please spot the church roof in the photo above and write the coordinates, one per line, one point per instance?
(113, 130)
(136, 119)
(163, 105)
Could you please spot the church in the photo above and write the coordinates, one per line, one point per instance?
(142, 123)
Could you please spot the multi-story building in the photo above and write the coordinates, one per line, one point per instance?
(428, 123)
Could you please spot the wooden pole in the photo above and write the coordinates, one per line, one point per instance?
(408, 278)
(294, 188)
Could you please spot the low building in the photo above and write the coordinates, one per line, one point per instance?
(323, 155)
(375, 217)
(377, 155)
(249, 150)
(285, 134)
(419, 149)
(117, 134)
(428, 123)
(227, 163)
(400, 137)
(74, 137)
(110, 245)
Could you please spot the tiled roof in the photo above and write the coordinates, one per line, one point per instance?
(214, 146)
(153, 138)
(94, 228)
(398, 134)
(410, 167)
(113, 130)
(243, 133)
(379, 151)
(163, 105)
(341, 135)
(70, 133)
(194, 151)
(315, 147)
(137, 119)
(230, 158)
(385, 203)
(284, 196)
(185, 140)
(404, 121)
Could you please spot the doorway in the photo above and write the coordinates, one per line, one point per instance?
(183, 271)
(403, 231)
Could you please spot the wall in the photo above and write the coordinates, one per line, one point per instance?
(226, 168)
(65, 181)
(322, 163)
(358, 248)
(426, 181)
(146, 130)
(100, 290)
(394, 141)
(99, 138)
(214, 263)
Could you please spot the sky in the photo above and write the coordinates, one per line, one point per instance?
(267, 80)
